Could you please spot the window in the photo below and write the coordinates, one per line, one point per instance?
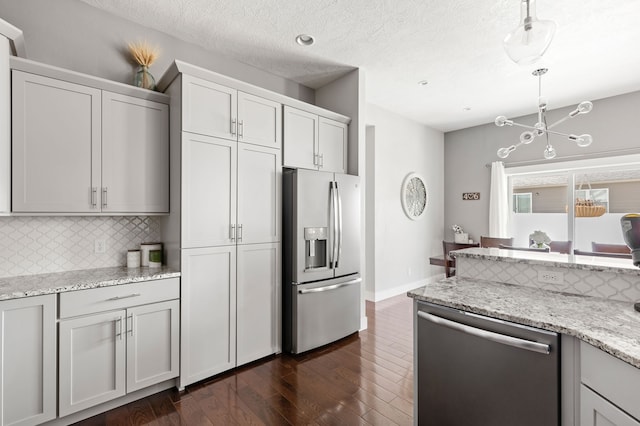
(522, 202)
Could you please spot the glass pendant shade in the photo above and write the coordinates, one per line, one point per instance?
(531, 38)
(549, 152)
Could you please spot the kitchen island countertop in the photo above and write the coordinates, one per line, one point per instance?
(58, 282)
(609, 325)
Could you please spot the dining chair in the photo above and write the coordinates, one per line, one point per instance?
(539, 250)
(561, 246)
(609, 248)
(602, 254)
(448, 247)
(495, 242)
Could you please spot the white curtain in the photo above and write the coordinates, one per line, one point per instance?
(498, 202)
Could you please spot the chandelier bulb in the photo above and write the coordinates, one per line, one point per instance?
(501, 120)
(583, 140)
(527, 137)
(585, 107)
(504, 152)
(549, 152)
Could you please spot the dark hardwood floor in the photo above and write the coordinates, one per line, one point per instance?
(366, 378)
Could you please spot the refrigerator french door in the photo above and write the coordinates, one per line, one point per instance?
(321, 243)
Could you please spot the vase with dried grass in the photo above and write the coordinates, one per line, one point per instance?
(144, 55)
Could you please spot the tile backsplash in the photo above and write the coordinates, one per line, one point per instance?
(37, 245)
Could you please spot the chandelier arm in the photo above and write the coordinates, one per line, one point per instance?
(553, 132)
(523, 125)
(562, 120)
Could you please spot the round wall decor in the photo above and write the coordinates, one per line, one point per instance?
(414, 196)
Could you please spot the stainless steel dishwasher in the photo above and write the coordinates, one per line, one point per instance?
(474, 370)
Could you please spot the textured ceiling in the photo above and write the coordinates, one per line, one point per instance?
(456, 45)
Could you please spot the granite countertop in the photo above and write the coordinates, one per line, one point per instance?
(609, 325)
(58, 282)
(571, 261)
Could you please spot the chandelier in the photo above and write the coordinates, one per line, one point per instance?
(531, 38)
(541, 128)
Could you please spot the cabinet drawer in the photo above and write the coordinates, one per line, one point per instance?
(612, 378)
(94, 300)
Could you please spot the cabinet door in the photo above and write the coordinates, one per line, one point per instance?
(300, 139)
(152, 344)
(92, 361)
(209, 108)
(258, 307)
(208, 191)
(332, 137)
(259, 121)
(28, 373)
(259, 191)
(597, 411)
(56, 145)
(208, 319)
(135, 155)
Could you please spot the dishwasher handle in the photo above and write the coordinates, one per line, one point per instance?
(489, 335)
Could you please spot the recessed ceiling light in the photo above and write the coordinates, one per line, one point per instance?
(466, 109)
(305, 40)
(423, 82)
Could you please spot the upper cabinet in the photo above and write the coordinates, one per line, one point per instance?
(314, 142)
(212, 109)
(77, 148)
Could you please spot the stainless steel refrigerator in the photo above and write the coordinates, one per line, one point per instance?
(321, 258)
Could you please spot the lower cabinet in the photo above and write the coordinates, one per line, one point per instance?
(28, 364)
(131, 345)
(609, 389)
(597, 411)
(230, 308)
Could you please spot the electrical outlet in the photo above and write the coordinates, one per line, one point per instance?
(551, 277)
(100, 246)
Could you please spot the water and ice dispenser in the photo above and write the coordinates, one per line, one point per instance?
(315, 241)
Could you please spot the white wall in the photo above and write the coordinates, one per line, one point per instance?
(402, 246)
(613, 123)
(73, 35)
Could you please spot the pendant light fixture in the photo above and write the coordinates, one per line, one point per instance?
(531, 38)
(541, 128)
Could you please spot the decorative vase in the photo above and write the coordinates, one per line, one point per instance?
(461, 238)
(144, 79)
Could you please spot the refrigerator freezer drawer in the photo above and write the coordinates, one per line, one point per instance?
(324, 312)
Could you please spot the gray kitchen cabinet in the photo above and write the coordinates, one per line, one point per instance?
(135, 155)
(258, 292)
(28, 372)
(216, 110)
(314, 142)
(609, 390)
(116, 340)
(80, 149)
(208, 322)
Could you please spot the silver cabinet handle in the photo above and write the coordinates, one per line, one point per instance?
(329, 287)
(321, 157)
(119, 325)
(130, 329)
(124, 297)
(489, 335)
(241, 128)
(232, 232)
(240, 233)
(233, 126)
(315, 159)
(94, 197)
(104, 196)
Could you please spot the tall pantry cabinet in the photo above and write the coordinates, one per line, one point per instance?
(223, 230)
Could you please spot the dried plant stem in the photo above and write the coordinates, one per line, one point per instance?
(143, 53)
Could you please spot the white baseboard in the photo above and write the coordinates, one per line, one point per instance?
(395, 291)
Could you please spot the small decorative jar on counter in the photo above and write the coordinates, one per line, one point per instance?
(145, 250)
(133, 259)
(155, 258)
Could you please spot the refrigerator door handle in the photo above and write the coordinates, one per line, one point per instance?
(329, 287)
(339, 225)
(334, 230)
